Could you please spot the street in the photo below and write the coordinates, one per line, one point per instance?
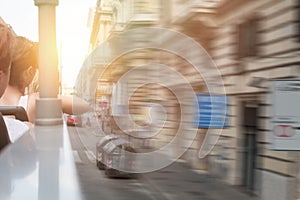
(94, 183)
(177, 181)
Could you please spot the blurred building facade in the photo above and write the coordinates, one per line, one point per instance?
(251, 42)
(256, 42)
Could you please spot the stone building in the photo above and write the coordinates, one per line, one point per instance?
(254, 43)
(251, 43)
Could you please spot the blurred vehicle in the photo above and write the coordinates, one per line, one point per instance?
(74, 120)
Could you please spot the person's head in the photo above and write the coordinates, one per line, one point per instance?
(6, 43)
(24, 63)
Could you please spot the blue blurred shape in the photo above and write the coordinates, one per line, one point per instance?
(212, 111)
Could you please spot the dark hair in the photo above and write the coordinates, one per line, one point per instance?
(6, 43)
(25, 55)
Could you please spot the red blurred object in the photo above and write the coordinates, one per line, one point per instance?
(74, 120)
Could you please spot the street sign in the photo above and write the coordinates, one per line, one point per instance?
(286, 115)
(212, 111)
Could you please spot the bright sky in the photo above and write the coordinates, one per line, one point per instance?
(72, 32)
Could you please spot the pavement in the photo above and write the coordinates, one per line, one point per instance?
(179, 181)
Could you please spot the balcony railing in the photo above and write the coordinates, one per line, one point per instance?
(184, 10)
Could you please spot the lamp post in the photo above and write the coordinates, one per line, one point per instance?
(48, 106)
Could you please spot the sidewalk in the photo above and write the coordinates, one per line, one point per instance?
(178, 181)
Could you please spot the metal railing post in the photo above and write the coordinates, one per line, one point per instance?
(48, 106)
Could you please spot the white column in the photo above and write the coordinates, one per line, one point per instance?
(48, 107)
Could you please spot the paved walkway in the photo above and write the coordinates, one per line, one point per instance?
(178, 181)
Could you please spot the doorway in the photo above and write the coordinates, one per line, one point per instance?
(250, 145)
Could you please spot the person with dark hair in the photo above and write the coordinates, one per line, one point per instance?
(15, 127)
(24, 67)
(6, 43)
(24, 63)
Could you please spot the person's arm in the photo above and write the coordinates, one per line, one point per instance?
(74, 105)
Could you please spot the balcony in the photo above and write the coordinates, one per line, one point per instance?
(184, 11)
(144, 12)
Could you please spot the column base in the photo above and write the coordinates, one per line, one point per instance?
(48, 112)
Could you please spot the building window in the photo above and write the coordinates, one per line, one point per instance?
(247, 41)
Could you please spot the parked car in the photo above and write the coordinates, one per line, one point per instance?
(74, 120)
